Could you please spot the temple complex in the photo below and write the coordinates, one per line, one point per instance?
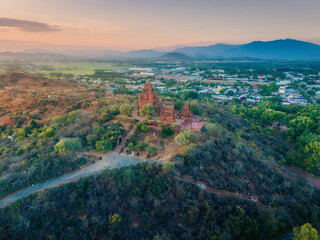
(167, 113)
(148, 96)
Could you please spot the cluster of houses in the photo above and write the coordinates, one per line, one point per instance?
(224, 88)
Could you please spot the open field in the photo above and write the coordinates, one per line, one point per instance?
(68, 67)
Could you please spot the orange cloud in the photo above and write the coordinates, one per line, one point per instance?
(27, 26)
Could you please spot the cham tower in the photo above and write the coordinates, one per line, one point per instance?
(168, 114)
(148, 96)
(186, 113)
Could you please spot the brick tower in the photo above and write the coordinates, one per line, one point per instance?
(148, 96)
(168, 114)
(186, 113)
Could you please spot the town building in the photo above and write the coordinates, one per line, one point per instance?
(299, 101)
(282, 90)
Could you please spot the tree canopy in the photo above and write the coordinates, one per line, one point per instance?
(148, 111)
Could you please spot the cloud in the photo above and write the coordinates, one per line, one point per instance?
(28, 26)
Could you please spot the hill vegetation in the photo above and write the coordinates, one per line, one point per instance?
(148, 201)
(174, 56)
(242, 151)
(303, 130)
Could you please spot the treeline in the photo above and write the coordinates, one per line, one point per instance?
(148, 202)
(104, 75)
(302, 125)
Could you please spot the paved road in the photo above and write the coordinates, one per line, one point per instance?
(113, 160)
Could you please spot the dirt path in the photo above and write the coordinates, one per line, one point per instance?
(111, 161)
(308, 177)
(118, 149)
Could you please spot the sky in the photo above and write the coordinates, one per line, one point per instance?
(146, 24)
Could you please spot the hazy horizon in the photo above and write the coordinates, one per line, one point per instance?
(130, 25)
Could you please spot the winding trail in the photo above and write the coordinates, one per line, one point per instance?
(113, 160)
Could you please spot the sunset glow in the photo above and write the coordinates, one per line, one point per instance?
(127, 24)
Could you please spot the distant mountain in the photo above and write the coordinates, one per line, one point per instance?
(278, 49)
(145, 53)
(289, 49)
(26, 55)
(174, 56)
(170, 48)
(206, 51)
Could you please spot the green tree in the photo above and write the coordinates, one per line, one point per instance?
(312, 161)
(230, 93)
(305, 232)
(270, 116)
(68, 144)
(299, 125)
(158, 237)
(167, 167)
(184, 138)
(104, 146)
(151, 149)
(148, 111)
(115, 219)
(303, 86)
(91, 139)
(125, 109)
(195, 107)
(147, 139)
(49, 132)
(178, 105)
(189, 95)
(311, 92)
(222, 91)
(130, 147)
(166, 131)
(143, 128)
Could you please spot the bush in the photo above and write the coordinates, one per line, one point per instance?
(125, 109)
(141, 146)
(49, 132)
(184, 138)
(130, 147)
(104, 146)
(148, 139)
(145, 128)
(68, 144)
(306, 232)
(166, 131)
(151, 149)
(148, 111)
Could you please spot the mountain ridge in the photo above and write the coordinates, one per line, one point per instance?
(281, 49)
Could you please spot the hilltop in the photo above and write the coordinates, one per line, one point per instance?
(23, 80)
(148, 201)
(228, 179)
(25, 97)
(174, 56)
